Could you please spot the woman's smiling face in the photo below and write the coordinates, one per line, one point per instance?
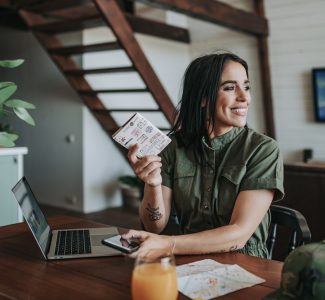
(233, 99)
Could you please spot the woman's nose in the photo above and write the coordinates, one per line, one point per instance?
(243, 96)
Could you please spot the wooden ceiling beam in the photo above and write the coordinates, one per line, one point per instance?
(265, 76)
(216, 12)
(138, 24)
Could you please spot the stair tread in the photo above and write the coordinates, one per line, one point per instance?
(80, 72)
(45, 6)
(93, 92)
(82, 10)
(69, 25)
(85, 48)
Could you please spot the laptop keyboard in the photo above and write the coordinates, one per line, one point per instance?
(73, 242)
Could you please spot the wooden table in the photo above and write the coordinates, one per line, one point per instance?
(25, 275)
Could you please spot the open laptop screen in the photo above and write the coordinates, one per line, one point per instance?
(32, 213)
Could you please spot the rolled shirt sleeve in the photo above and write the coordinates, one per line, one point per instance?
(264, 170)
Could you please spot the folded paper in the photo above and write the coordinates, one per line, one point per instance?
(207, 279)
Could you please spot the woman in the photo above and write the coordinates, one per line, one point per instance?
(220, 175)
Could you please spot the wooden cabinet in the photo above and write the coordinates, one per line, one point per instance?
(11, 170)
(304, 186)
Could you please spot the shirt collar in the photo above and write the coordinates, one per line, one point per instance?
(219, 142)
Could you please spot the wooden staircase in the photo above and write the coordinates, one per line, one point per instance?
(48, 19)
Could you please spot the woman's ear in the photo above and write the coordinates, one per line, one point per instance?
(203, 103)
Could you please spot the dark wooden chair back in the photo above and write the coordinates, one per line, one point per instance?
(294, 221)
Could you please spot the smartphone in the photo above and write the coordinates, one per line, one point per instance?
(118, 243)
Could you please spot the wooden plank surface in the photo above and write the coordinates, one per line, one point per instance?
(25, 275)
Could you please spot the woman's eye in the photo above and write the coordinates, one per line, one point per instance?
(247, 88)
(229, 88)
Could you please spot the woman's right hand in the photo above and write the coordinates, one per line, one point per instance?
(152, 245)
(147, 168)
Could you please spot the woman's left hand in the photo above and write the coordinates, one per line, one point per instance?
(151, 245)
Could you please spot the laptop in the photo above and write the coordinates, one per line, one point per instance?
(61, 244)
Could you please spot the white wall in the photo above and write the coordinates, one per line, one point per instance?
(53, 166)
(102, 162)
(297, 44)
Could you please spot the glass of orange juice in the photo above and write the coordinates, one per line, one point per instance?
(154, 279)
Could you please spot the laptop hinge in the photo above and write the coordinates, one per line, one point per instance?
(48, 244)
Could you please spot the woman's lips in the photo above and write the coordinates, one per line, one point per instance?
(240, 111)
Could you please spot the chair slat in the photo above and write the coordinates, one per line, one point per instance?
(291, 219)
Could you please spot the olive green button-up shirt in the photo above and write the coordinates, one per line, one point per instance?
(204, 194)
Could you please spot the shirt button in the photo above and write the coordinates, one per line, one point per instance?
(211, 171)
(206, 206)
(209, 189)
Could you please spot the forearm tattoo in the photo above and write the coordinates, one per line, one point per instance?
(233, 248)
(154, 213)
(221, 251)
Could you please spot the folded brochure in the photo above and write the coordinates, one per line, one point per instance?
(208, 279)
(139, 130)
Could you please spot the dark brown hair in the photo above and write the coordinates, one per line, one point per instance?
(199, 95)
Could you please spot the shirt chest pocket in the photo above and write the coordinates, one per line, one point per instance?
(230, 180)
(184, 182)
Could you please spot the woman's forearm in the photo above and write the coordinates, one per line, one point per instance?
(250, 208)
(223, 239)
(154, 212)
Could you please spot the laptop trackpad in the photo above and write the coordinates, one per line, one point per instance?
(96, 239)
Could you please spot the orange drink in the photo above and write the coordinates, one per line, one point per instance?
(155, 281)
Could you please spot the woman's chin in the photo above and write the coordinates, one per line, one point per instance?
(240, 124)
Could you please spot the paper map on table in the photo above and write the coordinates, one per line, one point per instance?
(138, 130)
(207, 279)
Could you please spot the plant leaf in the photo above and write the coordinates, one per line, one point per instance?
(5, 84)
(11, 63)
(6, 92)
(19, 103)
(23, 114)
(7, 139)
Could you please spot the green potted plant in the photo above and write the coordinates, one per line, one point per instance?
(132, 191)
(9, 106)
